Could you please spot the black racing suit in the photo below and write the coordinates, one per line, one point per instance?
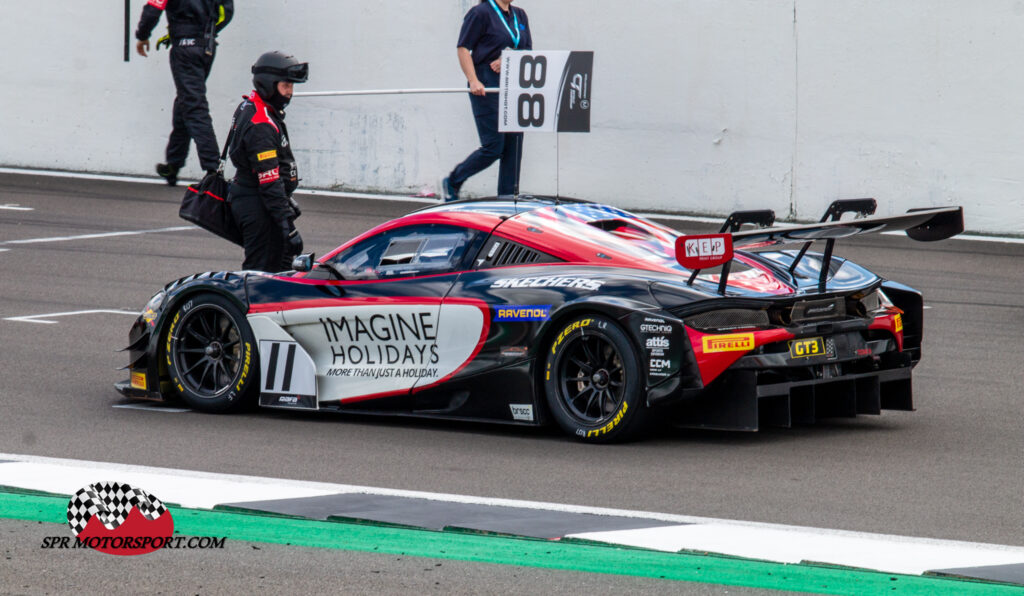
(193, 29)
(265, 179)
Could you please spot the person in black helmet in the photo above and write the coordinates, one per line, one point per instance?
(193, 27)
(266, 176)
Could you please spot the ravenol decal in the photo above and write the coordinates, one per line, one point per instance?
(898, 323)
(733, 342)
(267, 155)
(516, 312)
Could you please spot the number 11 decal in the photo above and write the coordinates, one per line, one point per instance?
(289, 376)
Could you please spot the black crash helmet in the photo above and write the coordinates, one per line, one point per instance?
(272, 67)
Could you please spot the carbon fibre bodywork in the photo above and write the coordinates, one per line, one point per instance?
(469, 337)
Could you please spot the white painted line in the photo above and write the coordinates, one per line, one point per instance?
(187, 490)
(360, 195)
(972, 238)
(801, 545)
(103, 235)
(42, 318)
(84, 176)
(15, 207)
(152, 407)
(693, 218)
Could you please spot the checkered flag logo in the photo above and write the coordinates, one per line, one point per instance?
(112, 502)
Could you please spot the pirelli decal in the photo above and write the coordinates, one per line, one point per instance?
(138, 380)
(733, 342)
(272, 154)
(897, 322)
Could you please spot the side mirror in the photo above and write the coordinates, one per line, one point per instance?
(303, 263)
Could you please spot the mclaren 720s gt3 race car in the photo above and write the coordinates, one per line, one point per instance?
(538, 309)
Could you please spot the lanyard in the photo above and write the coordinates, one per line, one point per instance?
(515, 25)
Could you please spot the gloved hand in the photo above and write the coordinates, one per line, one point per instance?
(293, 242)
(295, 207)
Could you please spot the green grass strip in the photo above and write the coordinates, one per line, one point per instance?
(591, 558)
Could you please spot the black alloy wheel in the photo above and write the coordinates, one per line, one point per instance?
(211, 353)
(593, 381)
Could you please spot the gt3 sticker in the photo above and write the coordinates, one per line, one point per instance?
(733, 342)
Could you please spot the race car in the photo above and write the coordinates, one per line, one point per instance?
(536, 309)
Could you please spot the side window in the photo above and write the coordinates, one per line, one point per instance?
(405, 252)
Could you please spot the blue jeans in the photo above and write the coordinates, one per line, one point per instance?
(494, 145)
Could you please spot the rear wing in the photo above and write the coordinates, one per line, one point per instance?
(925, 225)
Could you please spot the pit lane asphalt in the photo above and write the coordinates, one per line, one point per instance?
(950, 470)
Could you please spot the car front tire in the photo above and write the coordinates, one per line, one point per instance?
(211, 354)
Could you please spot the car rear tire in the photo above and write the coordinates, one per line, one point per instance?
(592, 381)
(211, 354)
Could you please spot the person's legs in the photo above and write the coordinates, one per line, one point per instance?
(492, 144)
(261, 237)
(511, 163)
(190, 66)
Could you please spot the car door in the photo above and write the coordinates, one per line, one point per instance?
(385, 333)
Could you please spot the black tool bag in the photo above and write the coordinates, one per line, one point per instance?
(206, 203)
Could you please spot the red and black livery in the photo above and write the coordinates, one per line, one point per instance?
(540, 309)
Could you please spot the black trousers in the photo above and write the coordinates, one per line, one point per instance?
(190, 67)
(494, 145)
(262, 237)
